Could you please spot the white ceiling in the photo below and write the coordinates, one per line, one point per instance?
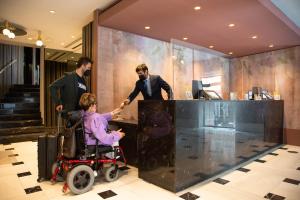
(57, 29)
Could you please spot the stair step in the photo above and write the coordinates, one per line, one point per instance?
(24, 89)
(20, 123)
(19, 105)
(25, 86)
(20, 99)
(25, 130)
(19, 111)
(20, 117)
(23, 94)
(21, 137)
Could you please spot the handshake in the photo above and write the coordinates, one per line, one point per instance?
(118, 110)
(124, 103)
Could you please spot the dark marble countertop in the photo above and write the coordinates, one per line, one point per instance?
(124, 121)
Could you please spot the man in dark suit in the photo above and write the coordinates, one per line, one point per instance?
(149, 85)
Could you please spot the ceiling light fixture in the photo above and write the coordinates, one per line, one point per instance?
(147, 27)
(52, 11)
(185, 38)
(6, 31)
(39, 41)
(197, 8)
(230, 53)
(11, 35)
(254, 37)
(211, 46)
(271, 45)
(231, 25)
(73, 36)
(11, 30)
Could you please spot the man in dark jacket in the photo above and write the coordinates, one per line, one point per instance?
(149, 85)
(71, 86)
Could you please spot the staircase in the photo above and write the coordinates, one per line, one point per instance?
(20, 117)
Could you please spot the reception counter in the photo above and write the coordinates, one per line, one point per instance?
(184, 142)
(129, 142)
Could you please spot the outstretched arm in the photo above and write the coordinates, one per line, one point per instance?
(132, 95)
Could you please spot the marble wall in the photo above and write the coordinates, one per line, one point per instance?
(120, 52)
(275, 71)
(193, 64)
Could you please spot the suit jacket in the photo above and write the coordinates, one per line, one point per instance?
(157, 83)
(68, 88)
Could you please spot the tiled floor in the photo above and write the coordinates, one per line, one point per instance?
(276, 178)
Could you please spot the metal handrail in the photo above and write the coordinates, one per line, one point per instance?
(7, 65)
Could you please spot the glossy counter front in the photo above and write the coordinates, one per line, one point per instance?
(184, 142)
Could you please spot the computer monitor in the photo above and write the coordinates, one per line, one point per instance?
(197, 87)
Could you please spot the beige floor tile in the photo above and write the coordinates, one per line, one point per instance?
(10, 186)
(213, 191)
(290, 191)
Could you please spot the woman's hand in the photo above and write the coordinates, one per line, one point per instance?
(122, 134)
(116, 111)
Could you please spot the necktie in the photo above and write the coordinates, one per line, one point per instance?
(145, 86)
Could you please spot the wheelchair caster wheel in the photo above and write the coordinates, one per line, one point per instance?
(111, 173)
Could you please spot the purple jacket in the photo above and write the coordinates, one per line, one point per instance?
(97, 125)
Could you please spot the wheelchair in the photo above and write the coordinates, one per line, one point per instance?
(78, 171)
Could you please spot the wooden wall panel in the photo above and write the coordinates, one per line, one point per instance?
(14, 73)
(53, 71)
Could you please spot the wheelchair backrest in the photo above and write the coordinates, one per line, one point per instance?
(74, 136)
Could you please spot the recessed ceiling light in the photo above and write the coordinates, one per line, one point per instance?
(230, 53)
(52, 11)
(231, 25)
(197, 8)
(147, 27)
(254, 37)
(72, 36)
(185, 38)
(211, 46)
(271, 45)
(62, 44)
(29, 38)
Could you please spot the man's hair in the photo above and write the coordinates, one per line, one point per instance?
(142, 67)
(87, 100)
(84, 61)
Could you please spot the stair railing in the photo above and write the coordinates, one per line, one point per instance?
(7, 65)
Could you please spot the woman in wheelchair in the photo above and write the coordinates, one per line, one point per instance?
(79, 174)
(96, 125)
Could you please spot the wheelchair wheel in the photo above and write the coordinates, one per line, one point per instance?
(60, 174)
(111, 173)
(80, 179)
